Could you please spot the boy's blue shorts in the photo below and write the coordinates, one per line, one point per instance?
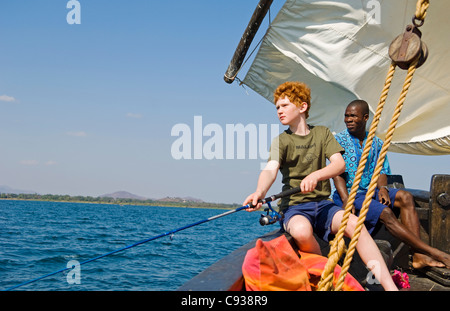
(375, 207)
(320, 214)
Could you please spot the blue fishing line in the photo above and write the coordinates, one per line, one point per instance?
(170, 233)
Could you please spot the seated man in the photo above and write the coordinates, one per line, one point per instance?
(381, 208)
(300, 154)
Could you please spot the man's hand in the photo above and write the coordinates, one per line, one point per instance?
(383, 196)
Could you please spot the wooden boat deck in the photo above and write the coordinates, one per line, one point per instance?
(419, 282)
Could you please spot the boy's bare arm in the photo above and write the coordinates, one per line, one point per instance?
(335, 168)
(265, 181)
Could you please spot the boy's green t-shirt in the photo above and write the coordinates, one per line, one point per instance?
(299, 156)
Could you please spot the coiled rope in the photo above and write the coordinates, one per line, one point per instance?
(337, 246)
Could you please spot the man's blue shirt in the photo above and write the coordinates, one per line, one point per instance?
(352, 156)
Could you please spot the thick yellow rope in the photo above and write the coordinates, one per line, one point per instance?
(421, 9)
(374, 180)
(338, 245)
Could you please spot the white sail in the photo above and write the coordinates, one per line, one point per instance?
(340, 49)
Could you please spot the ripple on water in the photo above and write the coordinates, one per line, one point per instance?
(38, 238)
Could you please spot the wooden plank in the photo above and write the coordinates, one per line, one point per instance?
(422, 201)
(440, 212)
(395, 181)
(420, 283)
(421, 197)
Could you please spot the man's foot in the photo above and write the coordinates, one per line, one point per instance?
(421, 261)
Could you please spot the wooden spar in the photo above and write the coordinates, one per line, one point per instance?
(440, 212)
(246, 40)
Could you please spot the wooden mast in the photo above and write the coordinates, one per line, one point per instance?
(246, 40)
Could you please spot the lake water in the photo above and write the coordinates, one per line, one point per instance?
(38, 238)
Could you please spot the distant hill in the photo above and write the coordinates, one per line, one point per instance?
(177, 199)
(128, 195)
(115, 195)
(118, 197)
(123, 195)
(6, 189)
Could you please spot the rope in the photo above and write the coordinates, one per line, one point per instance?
(421, 9)
(338, 245)
(373, 182)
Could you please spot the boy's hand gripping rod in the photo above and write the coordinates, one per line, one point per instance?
(276, 196)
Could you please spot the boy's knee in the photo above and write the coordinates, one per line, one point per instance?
(301, 232)
(351, 224)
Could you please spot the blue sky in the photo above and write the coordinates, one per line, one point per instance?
(88, 109)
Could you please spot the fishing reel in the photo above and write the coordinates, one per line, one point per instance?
(270, 217)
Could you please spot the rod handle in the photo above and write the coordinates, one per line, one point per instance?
(282, 194)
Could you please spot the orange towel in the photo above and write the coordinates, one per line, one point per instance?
(275, 266)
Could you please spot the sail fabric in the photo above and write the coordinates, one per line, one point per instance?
(340, 49)
(275, 266)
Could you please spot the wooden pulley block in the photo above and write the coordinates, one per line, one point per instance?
(407, 48)
(423, 55)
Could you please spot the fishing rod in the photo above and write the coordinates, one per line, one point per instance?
(168, 233)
